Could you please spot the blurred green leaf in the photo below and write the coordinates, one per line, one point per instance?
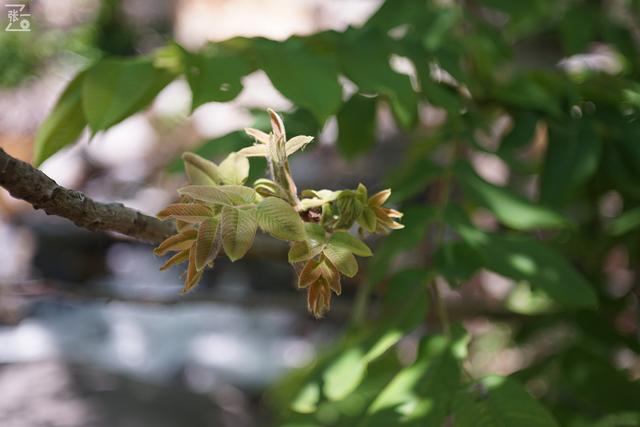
(309, 80)
(628, 221)
(523, 258)
(422, 393)
(215, 74)
(510, 208)
(572, 157)
(357, 125)
(365, 60)
(114, 89)
(65, 122)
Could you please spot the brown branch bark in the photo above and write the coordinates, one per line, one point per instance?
(25, 182)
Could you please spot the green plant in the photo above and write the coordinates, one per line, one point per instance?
(217, 211)
(562, 216)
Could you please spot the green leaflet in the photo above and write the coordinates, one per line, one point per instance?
(278, 218)
(347, 241)
(238, 230)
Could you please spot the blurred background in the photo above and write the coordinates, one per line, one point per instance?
(92, 334)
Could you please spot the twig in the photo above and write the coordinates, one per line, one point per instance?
(25, 182)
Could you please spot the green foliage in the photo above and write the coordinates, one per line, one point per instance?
(555, 229)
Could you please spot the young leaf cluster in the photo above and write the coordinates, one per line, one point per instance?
(217, 211)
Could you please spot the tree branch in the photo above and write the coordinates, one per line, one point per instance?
(25, 182)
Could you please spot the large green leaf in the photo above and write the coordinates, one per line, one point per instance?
(280, 219)
(510, 208)
(500, 401)
(114, 89)
(238, 231)
(215, 74)
(357, 125)
(64, 124)
(309, 80)
(572, 158)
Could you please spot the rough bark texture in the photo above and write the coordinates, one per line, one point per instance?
(25, 182)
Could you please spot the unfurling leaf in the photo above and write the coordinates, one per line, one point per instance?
(296, 143)
(187, 212)
(238, 231)
(278, 218)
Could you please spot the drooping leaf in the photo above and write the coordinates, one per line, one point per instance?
(238, 231)
(114, 89)
(215, 74)
(500, 401)
(357, 125)
(278, 218)
(64, 124)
